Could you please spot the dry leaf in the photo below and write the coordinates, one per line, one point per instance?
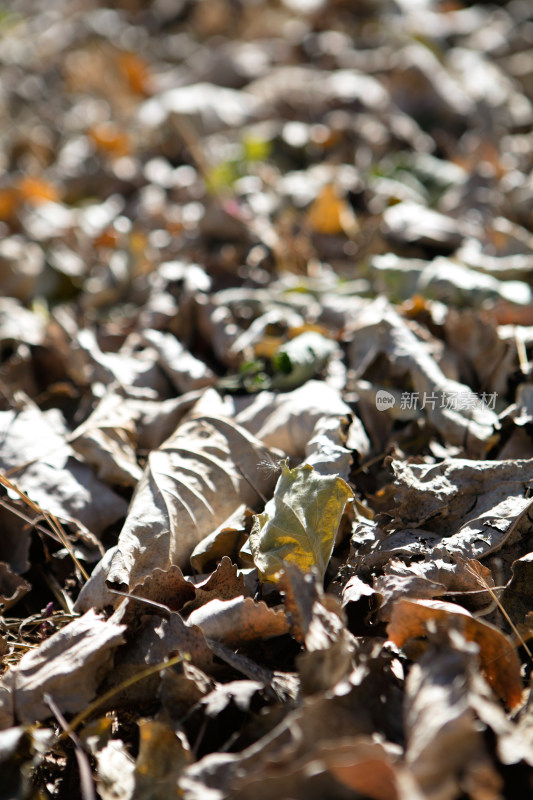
(445, 747)
(330, 213)
(473, 506)
(12, 587)
(161, 759)
(107, 440)
(185, 372)
(224, 583)
(191, 484)
(289, 420)
(497, 657)
(369, 768)
(238, 620)
(300, 359)
(43, 465)
(68, 666)
(225, 541)
(380, 331)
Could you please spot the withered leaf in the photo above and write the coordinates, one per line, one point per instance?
(238, 620)
(107, 440)
(35, 451)
(68, 666)
(225, 583)
(225, 541)
(12, 587)
(161, 759)
(497, 656)
(445, 748)
(473, 506)
(191, 484)
(380, 331)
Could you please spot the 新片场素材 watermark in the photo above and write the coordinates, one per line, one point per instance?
(455, 401)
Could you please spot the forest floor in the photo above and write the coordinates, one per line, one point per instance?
(266, 399)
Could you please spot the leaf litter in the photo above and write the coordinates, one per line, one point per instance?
(265, 400)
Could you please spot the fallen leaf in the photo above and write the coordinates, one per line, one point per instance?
(182, 368)
(107, 440)
(292, 420)
(497, 657)
(225, 583)
(12, 587)
(43, 465)
(166, 587)
(380, 331)
(475, 507)
(516, 597)
(241, 693)
(114, 764)
(445, 749)
(68, 666)
(238, 620)
(330, 213)
(300, 359)
(191, 484)
(161, 759)
(300, 523)
(225, 541)
(369, 768)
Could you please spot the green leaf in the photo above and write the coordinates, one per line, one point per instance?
(300, 523)
(300, 359)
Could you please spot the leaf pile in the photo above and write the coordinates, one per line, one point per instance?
(266, 404)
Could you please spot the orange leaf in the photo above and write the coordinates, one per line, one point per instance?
(36, 190)
(135, 71)
(498, 660)
(330, 213)
(108, 138)
(9, 201)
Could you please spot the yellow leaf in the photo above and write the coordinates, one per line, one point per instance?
(300, 523)
(330, 213)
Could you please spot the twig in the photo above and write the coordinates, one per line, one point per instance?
(471, 568)
(51, 519)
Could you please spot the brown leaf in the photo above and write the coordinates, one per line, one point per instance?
(225, 541)
(43, 464)
(473, 506)
(292, 420)
(191, 484)
(369, 769)
(167, 587)
(380, 331)
(445, 745)
(161, 759)
(225, 583)
(68, 666)
(301, 591)
(238, 620)
(12, 587)
(497, 656)
(107, 441)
